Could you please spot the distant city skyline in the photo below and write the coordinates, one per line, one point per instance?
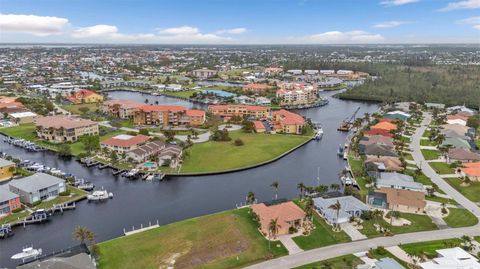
(240, 21)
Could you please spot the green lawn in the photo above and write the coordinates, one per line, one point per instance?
(380, 253)
(357, 169)
(472, 191)
(426, 133)
(441, 200)
(321, 236)
(220, 156)
(430, 154)
(418, 223)
(228, 239)
(428, 248)
(75, 195)
(182, 94)
(342, 262)
(460, 217)
(442, 168)
(426, 142)
(15, 216)
(408, 156)
(75, 109)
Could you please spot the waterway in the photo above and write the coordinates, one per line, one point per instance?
(178, 198)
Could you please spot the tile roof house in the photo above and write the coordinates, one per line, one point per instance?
(462, 155)
(457, 142)
(123, 143)
(452, 258)
(457, 119)
(384, 125)
(349, 207)
(471, 170)
(84, 96)
(289, 122)
(402, 200)
(398, 181)
(172, 153)
(287, 214)
(381, 132)
(379, 150)
(385, 163)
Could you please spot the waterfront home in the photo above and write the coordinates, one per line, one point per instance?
(77, 257)
(168, 115)
(398, 181)
(204, 73)
(471, 170)
(287, 122)
(383, 263)
(243, 99)
(37, 187)
(228, 111)
(372, 132)
(375, 139)
(457, 119)
(350, 207)
(123, 143)
(173, 153)
(144, 152)
(9, 201)
(384, 163)
(452, 258)
(7, 169)
(402, 200)
(60, 128)
(125, 83)
(293, 94)
(22, 117)
(462, 155)
(123, 109)
(84, 96)
(397, 115)
(289, 217)
(384, 126)
(256, 87)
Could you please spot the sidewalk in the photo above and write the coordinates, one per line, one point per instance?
(352, 231)
(289, 244)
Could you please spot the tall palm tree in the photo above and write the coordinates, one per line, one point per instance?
(322, 189)
(336, 206)
(275, 186)
(273, 227)
(250, 198)
(309, 208)
(301, 188)
(334, 187)
(83, 234)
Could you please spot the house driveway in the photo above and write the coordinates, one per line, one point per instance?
(354, 234)
(400, 253)
(289, 244)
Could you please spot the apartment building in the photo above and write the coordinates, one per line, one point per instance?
(296, 94)
(61, 128)
(168, 115)
(230, 110)
(123, 109)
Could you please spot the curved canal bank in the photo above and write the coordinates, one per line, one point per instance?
(137, 202)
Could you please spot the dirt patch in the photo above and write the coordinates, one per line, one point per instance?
(220, 241)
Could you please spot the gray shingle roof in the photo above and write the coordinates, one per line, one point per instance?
(399, 181)
(6, 195)
(35, 182)
(348, 204)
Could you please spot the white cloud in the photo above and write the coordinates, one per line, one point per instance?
(337, 37)
(100, 30)
(182, 30)
(389, 24)
(32, 24)
(473, 21)
(233, 31)
(466, 4)
(397, 2)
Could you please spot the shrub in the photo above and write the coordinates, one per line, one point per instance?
(292, 230)
(16, 210)
(65, 193)
(36, 203)
(238, 142)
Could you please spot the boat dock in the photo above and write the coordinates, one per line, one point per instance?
(39, 218)
(141, 229)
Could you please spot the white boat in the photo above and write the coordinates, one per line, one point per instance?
(149, 177)
(27, 253)
(99, 195)
(319, 134)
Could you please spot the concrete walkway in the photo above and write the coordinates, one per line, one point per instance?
(352, 231)
(400, 253)
(434, 211)
(289, 244)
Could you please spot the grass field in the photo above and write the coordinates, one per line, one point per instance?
(430, 154)
(357, 169)
(321, 236)
(460, 217)
(75, 109)
(347, 261)
(442, 168)
(219, 156)
(426, 142)
(418, 223)
(472, 191)
(182, 94)
(228, 239)
(428, 248)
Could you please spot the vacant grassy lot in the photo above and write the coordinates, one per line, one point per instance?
(428, 248)
(442, 168)
(471, 191)
(225, 240)
(347, 261)
(219, 156)
(321, 236)
(181, 94)
(430, 154)
(75, 109)
(460, 217)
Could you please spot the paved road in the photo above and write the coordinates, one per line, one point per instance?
(333, 251)
(429, 172)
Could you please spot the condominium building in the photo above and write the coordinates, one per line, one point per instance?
(287, 122)
(296, 94)
(124, 109)
(204, 73)
(230, 110)
(168, 115)
(60, 128)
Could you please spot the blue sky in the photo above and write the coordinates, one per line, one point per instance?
(240, 21)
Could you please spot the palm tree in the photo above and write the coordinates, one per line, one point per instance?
(83, 234)
(334, 187)
(336, 206)
(275, 186)
(273, 227)
(321, 189)
(394, 215)
(301, 187)
(309, 208)
(250, 198)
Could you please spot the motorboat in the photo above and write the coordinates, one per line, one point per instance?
(131, 173)
(99, 195)
(86, 186)
(319, 134)
(27, 253)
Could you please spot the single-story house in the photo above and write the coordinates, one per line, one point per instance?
(401, 200)
(457, 119)
(287, 214)
(457, 142)
(435, 105)
(124, 143)
(381, 132)
(37, 187)
(9, 201)
(397, 115)
(460, 109)
(471, 170)
(398, 181)
(379, 150)
(349, 207)
(462, 155)
(452, 258)
(6, 169)
(383, 263)
(384, 125)
(385, 163)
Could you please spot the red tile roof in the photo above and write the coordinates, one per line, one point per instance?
(162, 108)
(134, 140)
(384, 125)
(471, 169)
(256, 86)
(284, 212)
(248, 107)
(195, 113)
(84, 93)
(258, 125)
(289, 117)
(372, 132)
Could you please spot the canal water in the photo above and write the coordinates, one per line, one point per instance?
(139, 202)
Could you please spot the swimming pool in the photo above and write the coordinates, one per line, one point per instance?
(150, 165)
(221, 93)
